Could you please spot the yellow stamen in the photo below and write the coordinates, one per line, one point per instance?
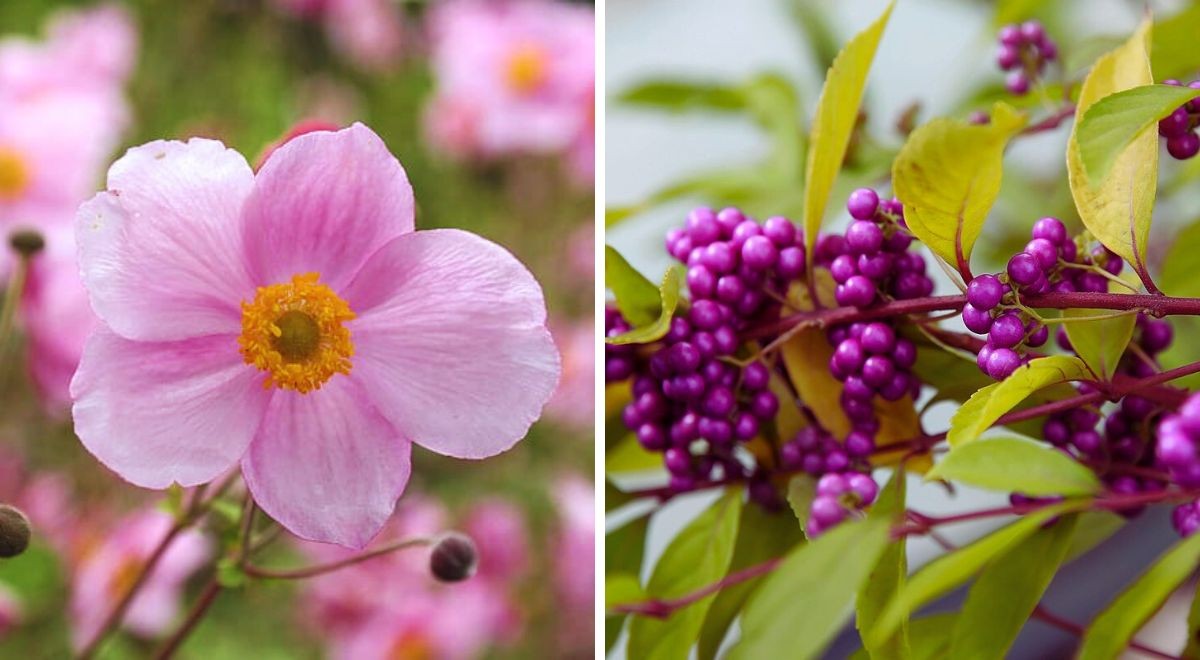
(528, 67)
(295, 331)
(14, 174)
(411, 646)
(123, 578)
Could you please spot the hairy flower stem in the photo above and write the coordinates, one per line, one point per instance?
(320, 569)
(199, 505)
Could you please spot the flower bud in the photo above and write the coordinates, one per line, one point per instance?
(26, 242)
(454, 557)
(14, 531)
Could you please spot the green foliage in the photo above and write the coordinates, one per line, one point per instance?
(888, 576)
(1173, 50)
(1112, 123)
(699, 556)
(952, 569)
(1112, 629)
(1007, 591)
(1117, 207)
(637, 297)
(948, 176)
(799, 608)
(1100, 342)
(677, 96)
(834, 121)
(668, 293)
(1017, 465)
(992, 402)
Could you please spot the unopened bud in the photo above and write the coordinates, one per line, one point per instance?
(26, 242)
(14, 531)
(454, 557)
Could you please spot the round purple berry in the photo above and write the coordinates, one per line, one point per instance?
(878, 338)
(780, 230)
(1007, 331)
(864, 237)
(977, 320)
(858, 291)
(759, 252)
(1051, 229)
(1002, 362)
(862, 204)
(1023, 268)
(985, 292)
(1183, 147)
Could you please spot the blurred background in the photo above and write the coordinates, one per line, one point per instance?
(489, 107)
(710, 105)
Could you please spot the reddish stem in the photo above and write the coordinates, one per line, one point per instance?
(193, 619)
(319, 569)
(662, 608)
(1042, 614)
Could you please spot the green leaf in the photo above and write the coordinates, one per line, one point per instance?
(623, 550)
(1192, 650)
(1112, 629)
(833, 123)
(622, 589)
(800, 493)
(637, 297)
(929, 637)
(1006, 592)
(698, 557)
(1173, 53)
(1182, 262)
(669, 293)
(1017, 465)
(1111, 123)
(1094, 528)
(990, 403)
(630, 456)
(679, 96)
(948, 176)
(888, 576)
(800, 607)
(1100, 342)
(762, 535)
(953, 569)
(1117, 208)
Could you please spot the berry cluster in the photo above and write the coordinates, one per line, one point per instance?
(620, 361)
(1178, 435)
(837, 495)
(1179, 127)
(1051, 261)
(1024, 51)
(871, 261)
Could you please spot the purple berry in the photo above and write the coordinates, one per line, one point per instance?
(1175, 124)
(878, 338)
(1023, 268)
(791, 263)
(1007, 57)
(1002, 362)
(862, 204)
(705, 314)
(878, 370)
(1010, 35)
(859, 443)
(864, 237)
(1051, 229)
(985, 292)
(1038, 336)
(1017, 83)
(746, 426)
(843, 268)
(1007, 331)
(719, 258)
(977, 320)
(832, 485)
(858, 291)
(905, 353)
(764, 405)
(755, 376)
(759, 252)
(1044, 251)
(863, 486)
(826, 511)
(780, 230)
(1183, 147)
(849, 355)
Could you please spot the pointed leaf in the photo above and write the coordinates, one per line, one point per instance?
(1173, 53)
(679, 96)
(1017, 465)
(762, 535)
(1117, 208)
(1111, 123)
(953, 569)
(1006, 592)
(801, 606)
(696, 558)
(1112, 629)
(637, 297)
(990, 403)
(833, 123)
(669, 300)
(929, 637)
(948, 176)
(1100, 342)
(888, 576)
(1182, 262)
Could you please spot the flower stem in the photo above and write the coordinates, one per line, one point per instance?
(662, 608)
(194, 616)
(320, 569)
(1040, 613)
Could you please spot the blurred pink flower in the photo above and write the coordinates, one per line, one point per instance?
(90, 50)
(294, 322)
(43, 496)
(367, 32)
(575, 547)
(57, 319)
(10, 610)
(391, 607)
(498, 529)
(581, 252)
(574, 402)
(104, 574)
(515, 76)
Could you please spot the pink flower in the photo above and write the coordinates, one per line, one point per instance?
(576, 544)
(293, 322)
(518, 73)
(368, 32)
(574, 401)
(10, 610)
(57, 319)
(43, 496)
(84, 50)
(106, 573)
(498, 529)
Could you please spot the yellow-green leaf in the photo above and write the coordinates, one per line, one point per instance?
(948, 176)
(990, 403)
(833, 123)
(1112, 629)
(1117, 208)
(669, 300)
(1016, 465)
(1100, 342)
(636, 296)
(1111, 123)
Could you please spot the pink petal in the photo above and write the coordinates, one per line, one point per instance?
(326, 465)
(324, 202)
(160, 253)
(157, 413)
(451, 342)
